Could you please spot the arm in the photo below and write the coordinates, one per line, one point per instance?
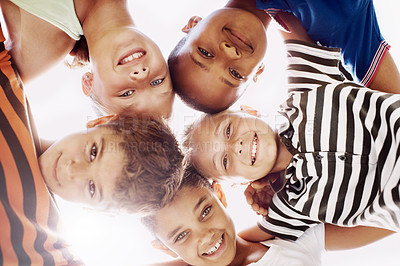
(387, 77)
(250, 5)
(170, 263)
(34, 44)
(254, 234)
(337, 238)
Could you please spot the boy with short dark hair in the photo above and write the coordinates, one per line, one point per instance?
(205, 234)
(213, 65)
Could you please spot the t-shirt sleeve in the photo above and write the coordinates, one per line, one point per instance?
(305, 251)
(283, 221)
(311, 66)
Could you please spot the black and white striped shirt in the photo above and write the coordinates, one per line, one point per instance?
(346, 170)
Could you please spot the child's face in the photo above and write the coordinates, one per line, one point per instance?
(203, 234)
(131, 75)
(83, 167)
(220, 55)
(235, 146)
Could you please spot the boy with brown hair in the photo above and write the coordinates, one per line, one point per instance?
(205, 233)
(107, 167)
(112, 164)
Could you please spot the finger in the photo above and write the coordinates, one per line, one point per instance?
(255, 207)
(263, 211)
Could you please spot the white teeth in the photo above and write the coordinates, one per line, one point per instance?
(215, 248)
(131, 57)
(254, 150)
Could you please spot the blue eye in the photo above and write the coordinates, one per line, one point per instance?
(235, 74)
(127, 93)
(92, 188)
(93, 152)
(156, 82)
(205, 52)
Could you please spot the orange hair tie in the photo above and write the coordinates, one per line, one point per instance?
(191, 24)
(250, 110)
(220, 193)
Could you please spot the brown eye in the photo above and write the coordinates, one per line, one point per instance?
(93, 152)
(235, 74)
(205, 52)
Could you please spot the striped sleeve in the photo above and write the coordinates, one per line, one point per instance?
(320, 63)
(348, 140)
(29, 219)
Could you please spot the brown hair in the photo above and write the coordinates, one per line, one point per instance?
(80, 54)
(152, 169)
(191, 179)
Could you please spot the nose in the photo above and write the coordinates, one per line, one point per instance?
(236, 147)
(139, 73)
(74, 170)
(205, 237)
(230, 50)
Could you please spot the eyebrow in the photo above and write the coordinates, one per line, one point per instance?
(201, 200)
(101, 148)
(172, 233)
(227, 82)
(201, 65)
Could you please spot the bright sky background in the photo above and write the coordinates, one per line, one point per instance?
(59, 107)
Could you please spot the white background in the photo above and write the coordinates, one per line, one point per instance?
(59, 107)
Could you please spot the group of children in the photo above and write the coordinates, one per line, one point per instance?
(328, 171)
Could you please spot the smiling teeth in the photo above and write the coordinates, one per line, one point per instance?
(131, 57)
(215, 248)
(254, 150)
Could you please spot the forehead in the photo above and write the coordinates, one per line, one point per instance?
(185, 204)
(212, 123)
(205, 85)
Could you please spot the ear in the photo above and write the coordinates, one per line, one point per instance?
(101, 120)
(160, 246)
(191, 24)
(87, 83)
(220, 193)
(259, 71)
(250, 110)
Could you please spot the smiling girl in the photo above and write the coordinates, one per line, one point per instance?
(129, 74)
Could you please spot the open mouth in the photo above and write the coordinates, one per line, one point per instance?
(239, 40)
(131, 56)
(254, 149)
(215, 248)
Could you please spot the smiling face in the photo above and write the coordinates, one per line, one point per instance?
(219, 56)
(130, 74)
(84, 167)
(237, 146)
(204, 234)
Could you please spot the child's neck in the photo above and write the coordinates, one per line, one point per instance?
(247, 252)
(283, 157)
(104, 16)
